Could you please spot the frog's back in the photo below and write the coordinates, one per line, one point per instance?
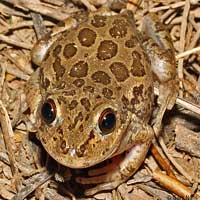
(102, 56)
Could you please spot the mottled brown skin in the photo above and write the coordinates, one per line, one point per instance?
(99, 64)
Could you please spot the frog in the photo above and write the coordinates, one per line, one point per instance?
(92, 97)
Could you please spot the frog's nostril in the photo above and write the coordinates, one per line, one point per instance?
(107, 121)
(48, 111)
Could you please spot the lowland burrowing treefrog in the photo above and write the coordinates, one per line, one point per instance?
(91, 98)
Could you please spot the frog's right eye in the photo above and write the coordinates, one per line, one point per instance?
(107, 121)
(48, 111)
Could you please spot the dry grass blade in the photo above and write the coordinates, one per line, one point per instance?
(35, 182)
(89, 5)
(39, 7)
(187, 53)
(8, 40)
(182, 41)
(8, 136)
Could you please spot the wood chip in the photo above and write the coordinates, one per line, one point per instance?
(187, 140)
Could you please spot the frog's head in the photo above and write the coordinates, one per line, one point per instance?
(84, 129)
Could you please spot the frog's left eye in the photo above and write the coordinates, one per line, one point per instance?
(48, 111)
(107, 121)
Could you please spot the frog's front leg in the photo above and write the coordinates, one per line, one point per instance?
(122, 168)
(160, 50)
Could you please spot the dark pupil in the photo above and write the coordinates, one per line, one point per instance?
(48, 112)
(108, 122)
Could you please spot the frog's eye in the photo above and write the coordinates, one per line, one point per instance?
(48, 111)
(107, 121)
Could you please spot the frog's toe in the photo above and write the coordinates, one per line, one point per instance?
(102, 187)
(115, 161)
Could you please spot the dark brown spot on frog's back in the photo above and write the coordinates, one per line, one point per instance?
(63, 147)
(71, 127)
(125, 101)
(149, 93)
(87, 37)
(88, 88)
(80, 151)
(87, 117)
(120, 71)
(81, 128)
(131, 42)
(85, 103)
(79, 82)
(106, 50)
(137, 68)
(83, 147)
(69, 92)
(78, 117)
(107, 93)
(62, 99)
(73, 104)
(123, 116)
(69, 50)
(119, 28)
(80, 69)
(60, 130)
(101, 77)
(57, 50)
(98, 21)
(138, 90)
(58, 68)
(137, 97)
(45, 82)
